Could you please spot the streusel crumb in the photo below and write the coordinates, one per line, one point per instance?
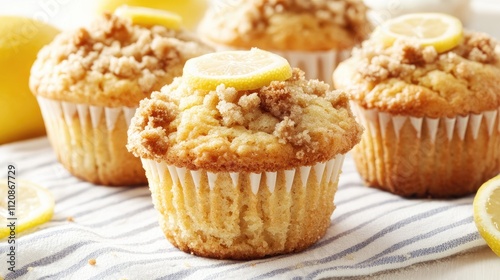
(409, 79)
(287, 24)
(284, 125)
(112, 63)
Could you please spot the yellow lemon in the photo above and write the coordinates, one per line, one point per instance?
(487, 213)
(191, 11)
(243, 70)
(34, 205)
(149, 16)
(443, 32)
(20, 40)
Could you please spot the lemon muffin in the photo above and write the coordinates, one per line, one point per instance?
(313, 35)
(244, 173)
(88, 83)
(431, 117)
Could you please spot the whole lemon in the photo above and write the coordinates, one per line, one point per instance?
(191, 11)
(20, 40)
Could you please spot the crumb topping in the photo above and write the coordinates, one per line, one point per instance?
(288, 24)
(281, 126)
(406, 78)
(112, 63)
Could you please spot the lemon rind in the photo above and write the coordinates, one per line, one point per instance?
(486, 229)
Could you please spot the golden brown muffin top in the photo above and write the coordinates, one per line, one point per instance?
(112, 63)
(301, 25)
(408, 79)
(287, 124)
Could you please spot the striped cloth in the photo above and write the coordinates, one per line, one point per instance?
(371, 231)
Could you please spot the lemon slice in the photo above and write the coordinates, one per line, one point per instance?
(443, 32)
(34, 205)
(242, 70)
(487, 213)
(149, 16)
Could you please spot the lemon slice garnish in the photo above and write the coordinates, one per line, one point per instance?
(487, 213)
(34, 205)
(242, 70)
(149, 16)
(443, 32)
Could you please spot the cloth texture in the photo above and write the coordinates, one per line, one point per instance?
(371, 231)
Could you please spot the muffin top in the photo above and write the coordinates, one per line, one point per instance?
(291, 123)
(112, 63)
(300, 25)
(408, 79)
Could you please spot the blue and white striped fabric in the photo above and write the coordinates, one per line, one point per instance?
(371, 231)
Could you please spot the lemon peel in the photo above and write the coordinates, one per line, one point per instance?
(21, 38)
(487, 213)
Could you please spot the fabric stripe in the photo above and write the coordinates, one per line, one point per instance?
(382, 232)
(403, 258)
(46, 260)
(359, 245)
(93, 255)
(416, 238)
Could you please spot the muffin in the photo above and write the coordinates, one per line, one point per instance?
(244, 174)
(313, 35)
(432, 118)
(88, 83)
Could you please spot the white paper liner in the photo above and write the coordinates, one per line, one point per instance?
(328, 171)
(54, 109)
(460, 124)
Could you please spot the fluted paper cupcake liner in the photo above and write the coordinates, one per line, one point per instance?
(243, 215)
(439, 157)
(90, 141)
(328, 171)
(455, 126)
(54, 109)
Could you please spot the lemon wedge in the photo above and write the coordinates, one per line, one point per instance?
(148, 16)
(487, 213)
(242, 70)
(34, 205)
(443, 32)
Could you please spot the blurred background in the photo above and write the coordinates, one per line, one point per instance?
(72, 13)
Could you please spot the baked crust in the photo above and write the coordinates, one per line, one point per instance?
(112, 63)
(287, 124)
(287, 24)
(407, 79)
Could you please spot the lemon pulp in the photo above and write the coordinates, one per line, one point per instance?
(487, 213)
(191, 11)
(149, 17)
(493, 208)
(443, 32)
(34, 205)
(242, 70)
